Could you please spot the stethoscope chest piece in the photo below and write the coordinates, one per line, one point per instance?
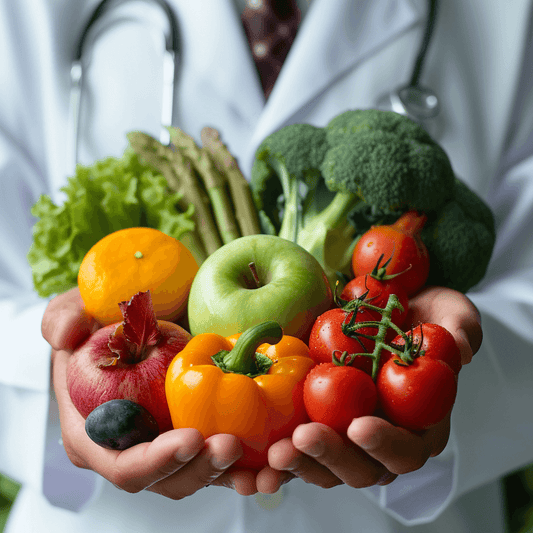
(414, 100)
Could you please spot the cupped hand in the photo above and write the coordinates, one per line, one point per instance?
(374, 451)
(175, 464)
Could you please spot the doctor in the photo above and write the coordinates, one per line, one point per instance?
(346, 54)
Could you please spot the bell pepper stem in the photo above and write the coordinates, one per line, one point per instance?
(241, 359)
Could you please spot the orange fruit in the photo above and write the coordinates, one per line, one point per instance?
(132, 260)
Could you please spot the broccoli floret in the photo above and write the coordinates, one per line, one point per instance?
(460, 239)
(286, 159)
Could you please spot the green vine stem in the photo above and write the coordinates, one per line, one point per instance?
(382, 325)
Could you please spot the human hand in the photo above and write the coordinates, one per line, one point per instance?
(176, 464)
(374, 451)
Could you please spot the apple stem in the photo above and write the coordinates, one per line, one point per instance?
(257, 281)
(242, 358)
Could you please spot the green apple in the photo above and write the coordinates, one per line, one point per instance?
(257, 278)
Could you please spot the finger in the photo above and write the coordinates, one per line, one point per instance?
(144, 465)
(398, 449)
(219, 453)
(453, 311)
(269, 480)
(327, 460)
(65, 323)
(284, 456)
(240, 480)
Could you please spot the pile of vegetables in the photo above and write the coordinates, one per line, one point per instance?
(370, 361)
(324, 187)
(195, 194)
(371, 196)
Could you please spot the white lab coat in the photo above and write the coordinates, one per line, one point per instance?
(346, 54)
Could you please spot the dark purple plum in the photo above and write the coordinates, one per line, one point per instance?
(121, 424)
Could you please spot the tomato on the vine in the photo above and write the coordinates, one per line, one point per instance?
(335, 395)
(376, 292)
(401, 242)
(327, 337)
(432, 341)
(416, 396)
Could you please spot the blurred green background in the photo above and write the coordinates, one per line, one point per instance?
(518, 489)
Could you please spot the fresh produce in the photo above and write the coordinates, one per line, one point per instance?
(216, 386)
(257, 278)
(417, 385)
(375, 288)
(112, 194)
(120, 424)
(127, 361)
(335, 394)
(401, 243)
(174, 188)
(415, 374)
(365, 168)
(327, 336)
(209, 178)
(417, 395)
(431, 341)
(136, 260)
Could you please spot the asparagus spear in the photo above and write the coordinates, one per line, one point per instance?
(245, 211)
(214, 182)
(180, 177)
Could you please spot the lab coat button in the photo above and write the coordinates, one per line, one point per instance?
(269, 501)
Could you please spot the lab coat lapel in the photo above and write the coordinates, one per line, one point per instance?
(217, 50)
(334, 37)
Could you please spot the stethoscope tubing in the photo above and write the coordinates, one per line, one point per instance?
(172, 53)
(170, 71)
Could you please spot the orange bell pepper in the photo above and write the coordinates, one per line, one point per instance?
(250, 386)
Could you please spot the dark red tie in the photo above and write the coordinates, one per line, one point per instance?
(270, 27)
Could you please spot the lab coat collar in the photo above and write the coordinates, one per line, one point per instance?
(334, 37)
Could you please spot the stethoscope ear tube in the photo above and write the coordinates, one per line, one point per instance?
(172, 45)
(414, 100)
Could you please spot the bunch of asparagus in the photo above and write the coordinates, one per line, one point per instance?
(209, 178)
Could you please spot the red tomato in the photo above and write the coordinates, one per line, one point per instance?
(433, 341)
(402, 243)
(335, 395)
(416, 396)
(377, 293)
(327, 337)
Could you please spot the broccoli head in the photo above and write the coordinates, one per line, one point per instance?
(366, 163)
(388, 160)
(460, 239)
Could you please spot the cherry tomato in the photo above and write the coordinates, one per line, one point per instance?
(402, 243)
(335, 395)
(416, 396)
(327, 337)
(433, 341)
(377, 293)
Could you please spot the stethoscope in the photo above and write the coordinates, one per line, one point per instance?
(414, 100)
(172, 51)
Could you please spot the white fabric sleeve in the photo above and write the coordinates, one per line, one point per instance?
(25, 355)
